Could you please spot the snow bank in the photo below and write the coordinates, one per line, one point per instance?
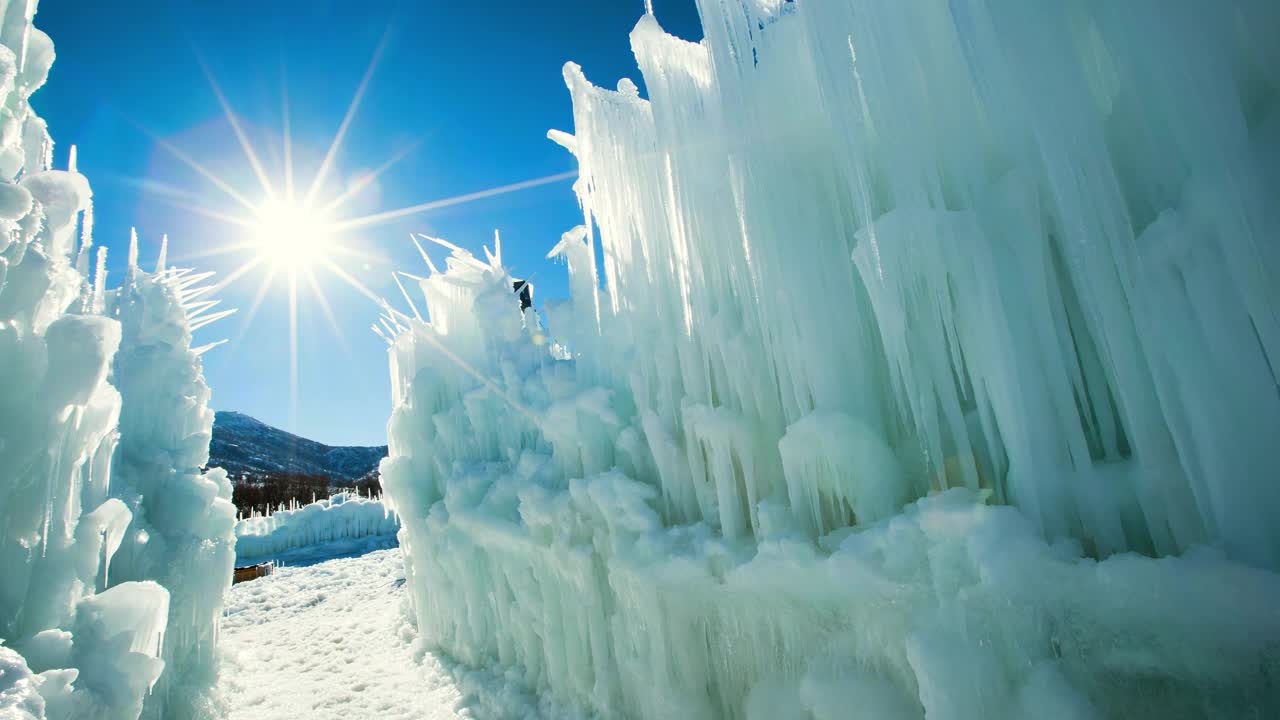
(342, 517)
(103, 425)
(929, 371)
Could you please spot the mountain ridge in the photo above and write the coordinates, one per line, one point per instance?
(247, 447)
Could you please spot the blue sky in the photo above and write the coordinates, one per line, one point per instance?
(475, 83)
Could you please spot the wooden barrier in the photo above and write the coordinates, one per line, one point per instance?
(251, 572)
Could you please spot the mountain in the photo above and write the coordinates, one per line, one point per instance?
(245, 446)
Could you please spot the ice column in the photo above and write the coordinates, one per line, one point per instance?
(182, 533)
(93, 651)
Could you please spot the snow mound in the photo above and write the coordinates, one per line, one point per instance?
(929, 371)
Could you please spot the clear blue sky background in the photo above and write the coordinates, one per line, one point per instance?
(477, 82)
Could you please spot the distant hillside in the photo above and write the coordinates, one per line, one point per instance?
(245, 446)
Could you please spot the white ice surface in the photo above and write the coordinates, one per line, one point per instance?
(329, 641)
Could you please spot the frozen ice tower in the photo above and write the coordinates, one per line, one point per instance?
(930, 371)
(115, 550)
(182, 533)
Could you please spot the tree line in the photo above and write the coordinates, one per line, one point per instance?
(257, 493)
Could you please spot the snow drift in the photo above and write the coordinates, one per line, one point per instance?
(115, 550)
(342, 517)
(930, 371)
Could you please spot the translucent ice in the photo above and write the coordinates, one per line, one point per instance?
(101, 401)
(344, 516)
(928, 370)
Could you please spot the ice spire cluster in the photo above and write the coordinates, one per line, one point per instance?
(58, 413)
(182, 532)
(101, 400)
(929, 372)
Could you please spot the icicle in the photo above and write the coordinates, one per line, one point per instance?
(564, 140)
(193, 279)
(407, 299)
(164, 251)
(206, 348)
(196, 308)
(430, 265)
(86, 291)
(189, 295)
(82, 261)
(212, 318)
(71, 160)
(131, 272)
(26, 40)
(458, 253)
(495, 257)
(86, 226)
(392, 312)
(444, 244)
(388, 326)
(100, 281)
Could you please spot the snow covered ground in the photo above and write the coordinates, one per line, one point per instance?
(330, 640)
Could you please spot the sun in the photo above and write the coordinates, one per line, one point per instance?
(291, 235)
(297, 230)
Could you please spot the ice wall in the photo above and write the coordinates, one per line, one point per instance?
(342, 517)
(88, 375)
(182, 532)
(1027, 248)
(918, 326)
(57, 411)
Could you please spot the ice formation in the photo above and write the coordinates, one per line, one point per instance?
(182, 534)
(344, 516)
(929, 371)
(106, 525)
(19, 697)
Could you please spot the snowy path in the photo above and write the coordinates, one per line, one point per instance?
(329, 641)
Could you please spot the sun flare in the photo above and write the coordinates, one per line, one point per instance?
(291, 235)
(301, 232)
